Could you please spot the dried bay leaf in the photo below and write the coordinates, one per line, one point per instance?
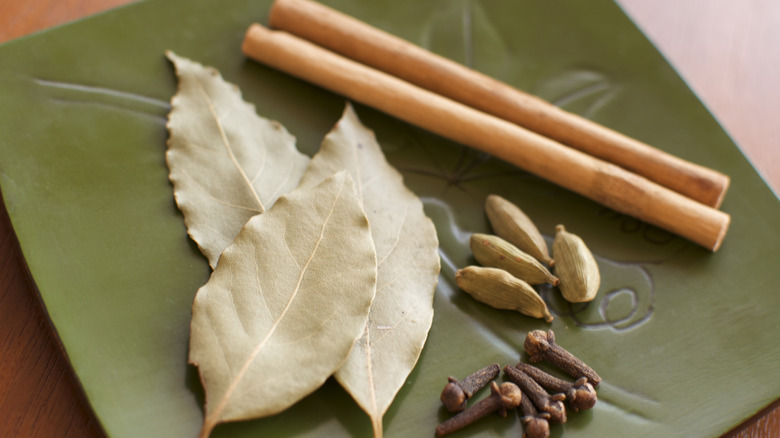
(274, 321)
(226, 163)
(285, 304)
(407, 271)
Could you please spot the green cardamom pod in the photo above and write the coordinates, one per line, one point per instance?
(575, 267)
(512, 225)
(501, 290)
(495, 252)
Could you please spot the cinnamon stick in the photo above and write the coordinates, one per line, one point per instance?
(603, 182)
(368, 45)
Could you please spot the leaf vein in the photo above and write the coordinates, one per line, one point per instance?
(234, 306)
(214, 415)
(288, 174)
(388, 329)
(260, 288)
(217, 200)
(397, 239)
(312, 333)
(227, 145)
(289, 251)
(370, 372)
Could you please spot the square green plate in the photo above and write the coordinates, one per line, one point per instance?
(685, 340)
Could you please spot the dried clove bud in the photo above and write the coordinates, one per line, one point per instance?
(541, 346)
(552, 404)
(507, 396)
(456, 393)
(580, 395)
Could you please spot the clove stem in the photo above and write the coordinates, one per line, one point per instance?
(552, 404)
(507, 396)
(456, 393)
(541, 346)
(581, 395)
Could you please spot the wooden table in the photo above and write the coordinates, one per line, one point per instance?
(728, 51)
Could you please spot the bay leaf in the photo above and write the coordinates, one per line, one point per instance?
(407, 270)
(226, 163)
(285, 304)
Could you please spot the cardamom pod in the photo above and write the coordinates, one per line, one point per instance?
(511, 224)
(495, 252)
(575, 267)
(501, 290)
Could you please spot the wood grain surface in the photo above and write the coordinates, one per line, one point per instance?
(727, 51)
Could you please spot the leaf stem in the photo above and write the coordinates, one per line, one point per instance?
(208, 426)
(376, 424)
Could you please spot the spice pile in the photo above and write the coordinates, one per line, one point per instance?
(517, 257)
(526, 390)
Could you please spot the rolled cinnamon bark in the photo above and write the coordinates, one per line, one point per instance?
(603, 182)
(368, 45)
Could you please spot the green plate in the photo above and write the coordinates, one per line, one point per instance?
(686, 340)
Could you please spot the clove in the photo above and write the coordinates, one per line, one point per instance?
(507, 396)
(581, 395)
(552, 404)
(541, 346)
(535, 424)
(456, 393)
